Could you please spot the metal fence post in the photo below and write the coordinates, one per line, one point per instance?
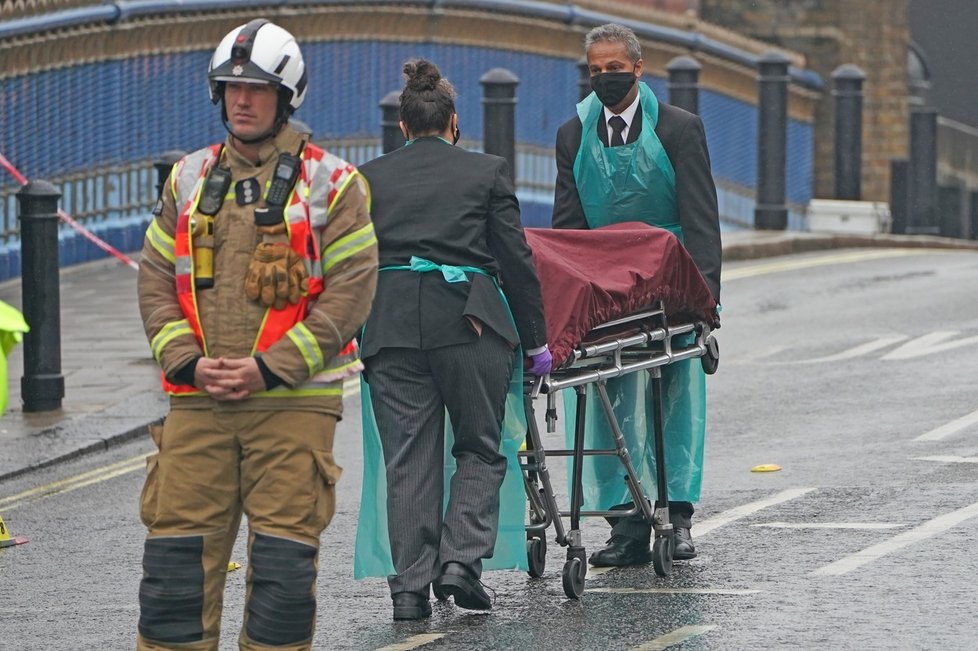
(848, 94)
(922, 214)
(43, 386)
(771, 212)
(390, 119)
(499, 115)
(583, 79)
(684, 90)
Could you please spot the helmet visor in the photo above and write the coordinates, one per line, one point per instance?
(247, 72)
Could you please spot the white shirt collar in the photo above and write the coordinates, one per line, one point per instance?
(627, 115)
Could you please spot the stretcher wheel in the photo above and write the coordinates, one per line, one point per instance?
(711, 359)
(573, 577)
(662, 548)
(536, 555)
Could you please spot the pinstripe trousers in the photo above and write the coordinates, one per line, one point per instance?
(411, 391)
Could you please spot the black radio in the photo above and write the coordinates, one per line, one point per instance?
(286, 173)
(215, 189)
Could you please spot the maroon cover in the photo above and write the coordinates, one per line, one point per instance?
(590, 277)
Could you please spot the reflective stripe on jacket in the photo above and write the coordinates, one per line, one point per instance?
(307, 209)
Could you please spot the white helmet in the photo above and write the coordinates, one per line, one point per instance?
(259, 52)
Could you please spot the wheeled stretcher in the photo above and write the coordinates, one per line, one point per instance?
(639, 305)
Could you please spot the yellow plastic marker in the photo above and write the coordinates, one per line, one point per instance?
(766, 467)
(232, 566)
(6, 540)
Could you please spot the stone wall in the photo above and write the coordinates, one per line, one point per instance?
(872, 35)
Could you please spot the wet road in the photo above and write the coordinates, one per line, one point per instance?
(855, 371)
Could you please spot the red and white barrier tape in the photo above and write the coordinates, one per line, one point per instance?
(66, 218)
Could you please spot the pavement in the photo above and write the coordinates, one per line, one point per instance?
(112, 390)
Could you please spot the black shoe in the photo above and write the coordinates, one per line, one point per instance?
(460, 582)
(621, 552)
(683, 550)
(437, 592)
(411, 605)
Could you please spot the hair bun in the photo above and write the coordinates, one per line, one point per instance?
(422, 76)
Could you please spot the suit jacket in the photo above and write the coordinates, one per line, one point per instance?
(684, 140)
(453, 207)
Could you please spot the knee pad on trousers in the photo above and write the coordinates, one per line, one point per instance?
(282, 605)
(171, 594)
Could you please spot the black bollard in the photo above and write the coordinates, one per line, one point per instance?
(972, 216)
(848, 94)
(499, 115)
(163, 165)
(684, 89)
(922, 202)
(949, 210)
(899, 195)
(771, 212)
(584, 79)
(391, 137)
(43, 385)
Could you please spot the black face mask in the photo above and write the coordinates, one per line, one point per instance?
(611, 87)
(456, 136)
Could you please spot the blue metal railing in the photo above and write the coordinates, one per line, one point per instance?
(126, 10)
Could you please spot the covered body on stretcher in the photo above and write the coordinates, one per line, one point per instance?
(618, 301)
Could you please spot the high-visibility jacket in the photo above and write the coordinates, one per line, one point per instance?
(187, 181)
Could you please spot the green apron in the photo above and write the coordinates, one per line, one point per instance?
(636, 182)
(12, 327)
(372, 555)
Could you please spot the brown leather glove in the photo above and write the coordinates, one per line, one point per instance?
(268, 274)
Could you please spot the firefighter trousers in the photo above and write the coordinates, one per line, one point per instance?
(277, 468)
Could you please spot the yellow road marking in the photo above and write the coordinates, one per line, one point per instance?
(677, 636)
(722, 591)
(413, 642)
(351, 387)
(72, 483)
(761, 268)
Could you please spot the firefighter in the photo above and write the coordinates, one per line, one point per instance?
(257, 271)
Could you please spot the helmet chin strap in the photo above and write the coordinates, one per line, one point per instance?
(268, 135)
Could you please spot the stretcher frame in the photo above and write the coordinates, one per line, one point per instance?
(648, 344)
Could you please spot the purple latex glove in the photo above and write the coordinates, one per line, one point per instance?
(541, 363)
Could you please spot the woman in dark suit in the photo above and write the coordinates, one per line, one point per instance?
(443, 336)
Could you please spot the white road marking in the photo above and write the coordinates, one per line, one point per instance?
(929, 344)
(864, 349)
(829, 525)
(708, 525)
(926, 530)
(413, 642)
(948, 459)
(948, 429)
(598, 571)
(727, 591)
(677, 636)
(759, 354)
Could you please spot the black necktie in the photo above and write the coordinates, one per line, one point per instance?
(617, 124)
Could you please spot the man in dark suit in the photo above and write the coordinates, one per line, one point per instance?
(439, 337)
(640, 159)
